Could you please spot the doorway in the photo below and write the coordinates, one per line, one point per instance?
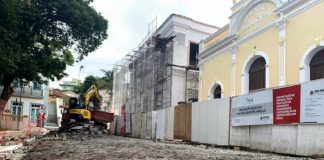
(34, 110)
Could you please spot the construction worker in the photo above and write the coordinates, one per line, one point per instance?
(41, 116)
(39, 120)
(44, 116)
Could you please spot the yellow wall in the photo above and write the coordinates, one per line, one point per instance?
(216, 38)
(266, 42)
(301, 32)
(217, 69)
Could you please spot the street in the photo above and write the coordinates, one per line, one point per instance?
(112, 147)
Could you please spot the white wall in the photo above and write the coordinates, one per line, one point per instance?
(210, 121)
(128, 123)
(178, 86)
(310, 140)
(154, 123)
(59, 111)
(26, 103)
(186, 31)
(160, 124)
(295, 139)
(260, 138)
(143, 125)
(284, 139)
(169, 123)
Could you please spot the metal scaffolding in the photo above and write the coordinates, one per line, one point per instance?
(143, 78)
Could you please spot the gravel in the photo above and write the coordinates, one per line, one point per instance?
(113, 147)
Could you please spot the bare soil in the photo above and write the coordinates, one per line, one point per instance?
(103, 146)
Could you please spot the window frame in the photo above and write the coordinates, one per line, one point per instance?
(257, 74)
(219, 94)
(316, 67)
(16, 105)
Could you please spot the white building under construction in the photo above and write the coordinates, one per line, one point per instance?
(163, 70)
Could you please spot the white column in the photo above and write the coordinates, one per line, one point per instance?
(282, 50)
(200, 82)
(233, 69)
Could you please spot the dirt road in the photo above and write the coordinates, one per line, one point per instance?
(113, 147)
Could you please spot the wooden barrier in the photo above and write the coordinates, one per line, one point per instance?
(182, 122)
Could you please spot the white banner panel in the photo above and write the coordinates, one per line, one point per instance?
(253, 109)
(160, 124)
(195, 129)
(312, 102)
(210, 121)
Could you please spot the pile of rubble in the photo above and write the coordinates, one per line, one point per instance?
(15, 147)
(76, 132)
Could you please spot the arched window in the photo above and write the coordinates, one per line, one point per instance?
(257, 74)
(218, 92)
(317, 66)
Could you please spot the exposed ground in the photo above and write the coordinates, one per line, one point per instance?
(103, 146)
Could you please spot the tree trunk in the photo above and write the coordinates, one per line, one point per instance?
(7, 91)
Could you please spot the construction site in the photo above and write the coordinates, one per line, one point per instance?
(160, 73)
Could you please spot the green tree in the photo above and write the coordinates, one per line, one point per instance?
(87, 83)
(38, 37)
(106, 82)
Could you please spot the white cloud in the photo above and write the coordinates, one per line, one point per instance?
(128, 25)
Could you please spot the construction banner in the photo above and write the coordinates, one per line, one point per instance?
(312, 102)
(286, 105)
(253, 109)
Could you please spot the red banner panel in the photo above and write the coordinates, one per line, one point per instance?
(286, 105)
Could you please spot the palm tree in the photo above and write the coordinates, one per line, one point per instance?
(106, 82)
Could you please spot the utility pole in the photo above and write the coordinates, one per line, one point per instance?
(81, 67)
(19, 104)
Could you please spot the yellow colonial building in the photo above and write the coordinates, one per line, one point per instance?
(268, 43)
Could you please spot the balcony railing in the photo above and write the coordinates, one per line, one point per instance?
(27, 92)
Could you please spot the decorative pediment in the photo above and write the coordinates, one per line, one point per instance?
(253, 16)
(257, 17)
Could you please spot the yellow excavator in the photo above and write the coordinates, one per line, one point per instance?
(83, 110)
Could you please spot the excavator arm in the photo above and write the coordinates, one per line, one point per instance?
(91, 91)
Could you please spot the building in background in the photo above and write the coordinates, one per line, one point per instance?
(162, 71)
(270, 60)
(57, 101)
(106, 104)
(70, 85)
(267, 44)
(26, 102)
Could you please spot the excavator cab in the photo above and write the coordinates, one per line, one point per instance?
(74, 103)
(77, 111)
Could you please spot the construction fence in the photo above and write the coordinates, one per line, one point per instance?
(18, 126)
(286, 120)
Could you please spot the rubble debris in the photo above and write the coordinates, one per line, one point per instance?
(114, 147)
(77, 128)
(236, 148)
(77, 132)
(13, 148)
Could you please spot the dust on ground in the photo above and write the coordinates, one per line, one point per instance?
(103, 146)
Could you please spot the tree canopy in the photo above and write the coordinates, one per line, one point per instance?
(87, 83)
(38, 38)
(106, 81)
